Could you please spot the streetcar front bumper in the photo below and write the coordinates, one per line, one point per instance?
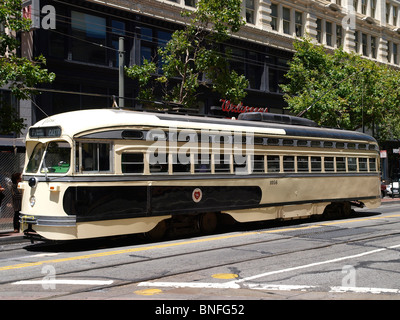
(48, 221)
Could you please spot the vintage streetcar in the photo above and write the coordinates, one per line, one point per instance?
(107, 172)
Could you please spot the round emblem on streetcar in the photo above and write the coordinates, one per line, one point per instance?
(197, 194)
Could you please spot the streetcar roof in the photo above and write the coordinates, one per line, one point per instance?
(77, 122)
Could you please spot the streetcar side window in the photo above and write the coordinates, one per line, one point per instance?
(329, 163)
(202, 163)
(222, 163)
(273, 164)
(372, 164)
(316, 164)
(240, 165)
(94, 157)
(132, 163)
(363, 164)
(258, 164)
(288, 163)
(352, 164)
(340, 164)
(302, 164)
(180, 163)
(158, 163)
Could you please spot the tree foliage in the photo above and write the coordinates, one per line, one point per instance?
(193, 55)
(343, 90)
(19, 74)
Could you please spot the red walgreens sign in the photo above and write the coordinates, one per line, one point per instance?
(227, 106)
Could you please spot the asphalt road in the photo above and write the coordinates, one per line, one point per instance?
(353, 258)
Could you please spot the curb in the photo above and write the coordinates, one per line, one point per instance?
(10, 237)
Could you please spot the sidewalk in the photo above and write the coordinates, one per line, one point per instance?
(11, 237)
(390, 199)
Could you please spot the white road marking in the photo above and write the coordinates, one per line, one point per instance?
(363, 290)
(314, 264)
(202, 285)
(267, 287)
(278, 287)
(64, 281)
(237, 284)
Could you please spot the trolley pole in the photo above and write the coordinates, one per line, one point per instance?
(121, 54)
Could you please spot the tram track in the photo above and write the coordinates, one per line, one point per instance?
(147, 279)
(313, 230)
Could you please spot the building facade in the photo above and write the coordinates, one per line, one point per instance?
(80, 42)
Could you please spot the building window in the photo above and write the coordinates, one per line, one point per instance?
(190, 3)
(299, 23)
(88, 38)
(357, 41)
(238, 59)
(387, 12)
(250, 12)
(364, 6)
(286, 20)
(373, 8)
(328, 27)
(364, 40)
(117, 30)
(394, 16)
(339, 36)
(147, 48)
(254, 70)
(373, 47)
(319, 30)
(355, 3)
(274, 16)
(395, 58)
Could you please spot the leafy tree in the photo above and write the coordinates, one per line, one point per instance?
(194, 53)
(18, 73)
(343, 90)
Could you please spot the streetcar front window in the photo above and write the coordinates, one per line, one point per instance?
(35, 158)
(57, 158)
(53, 157)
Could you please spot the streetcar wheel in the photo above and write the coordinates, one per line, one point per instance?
(158, 232)
(208, 222)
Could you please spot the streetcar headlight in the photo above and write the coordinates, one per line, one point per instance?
(32, 201)
(32, 182)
